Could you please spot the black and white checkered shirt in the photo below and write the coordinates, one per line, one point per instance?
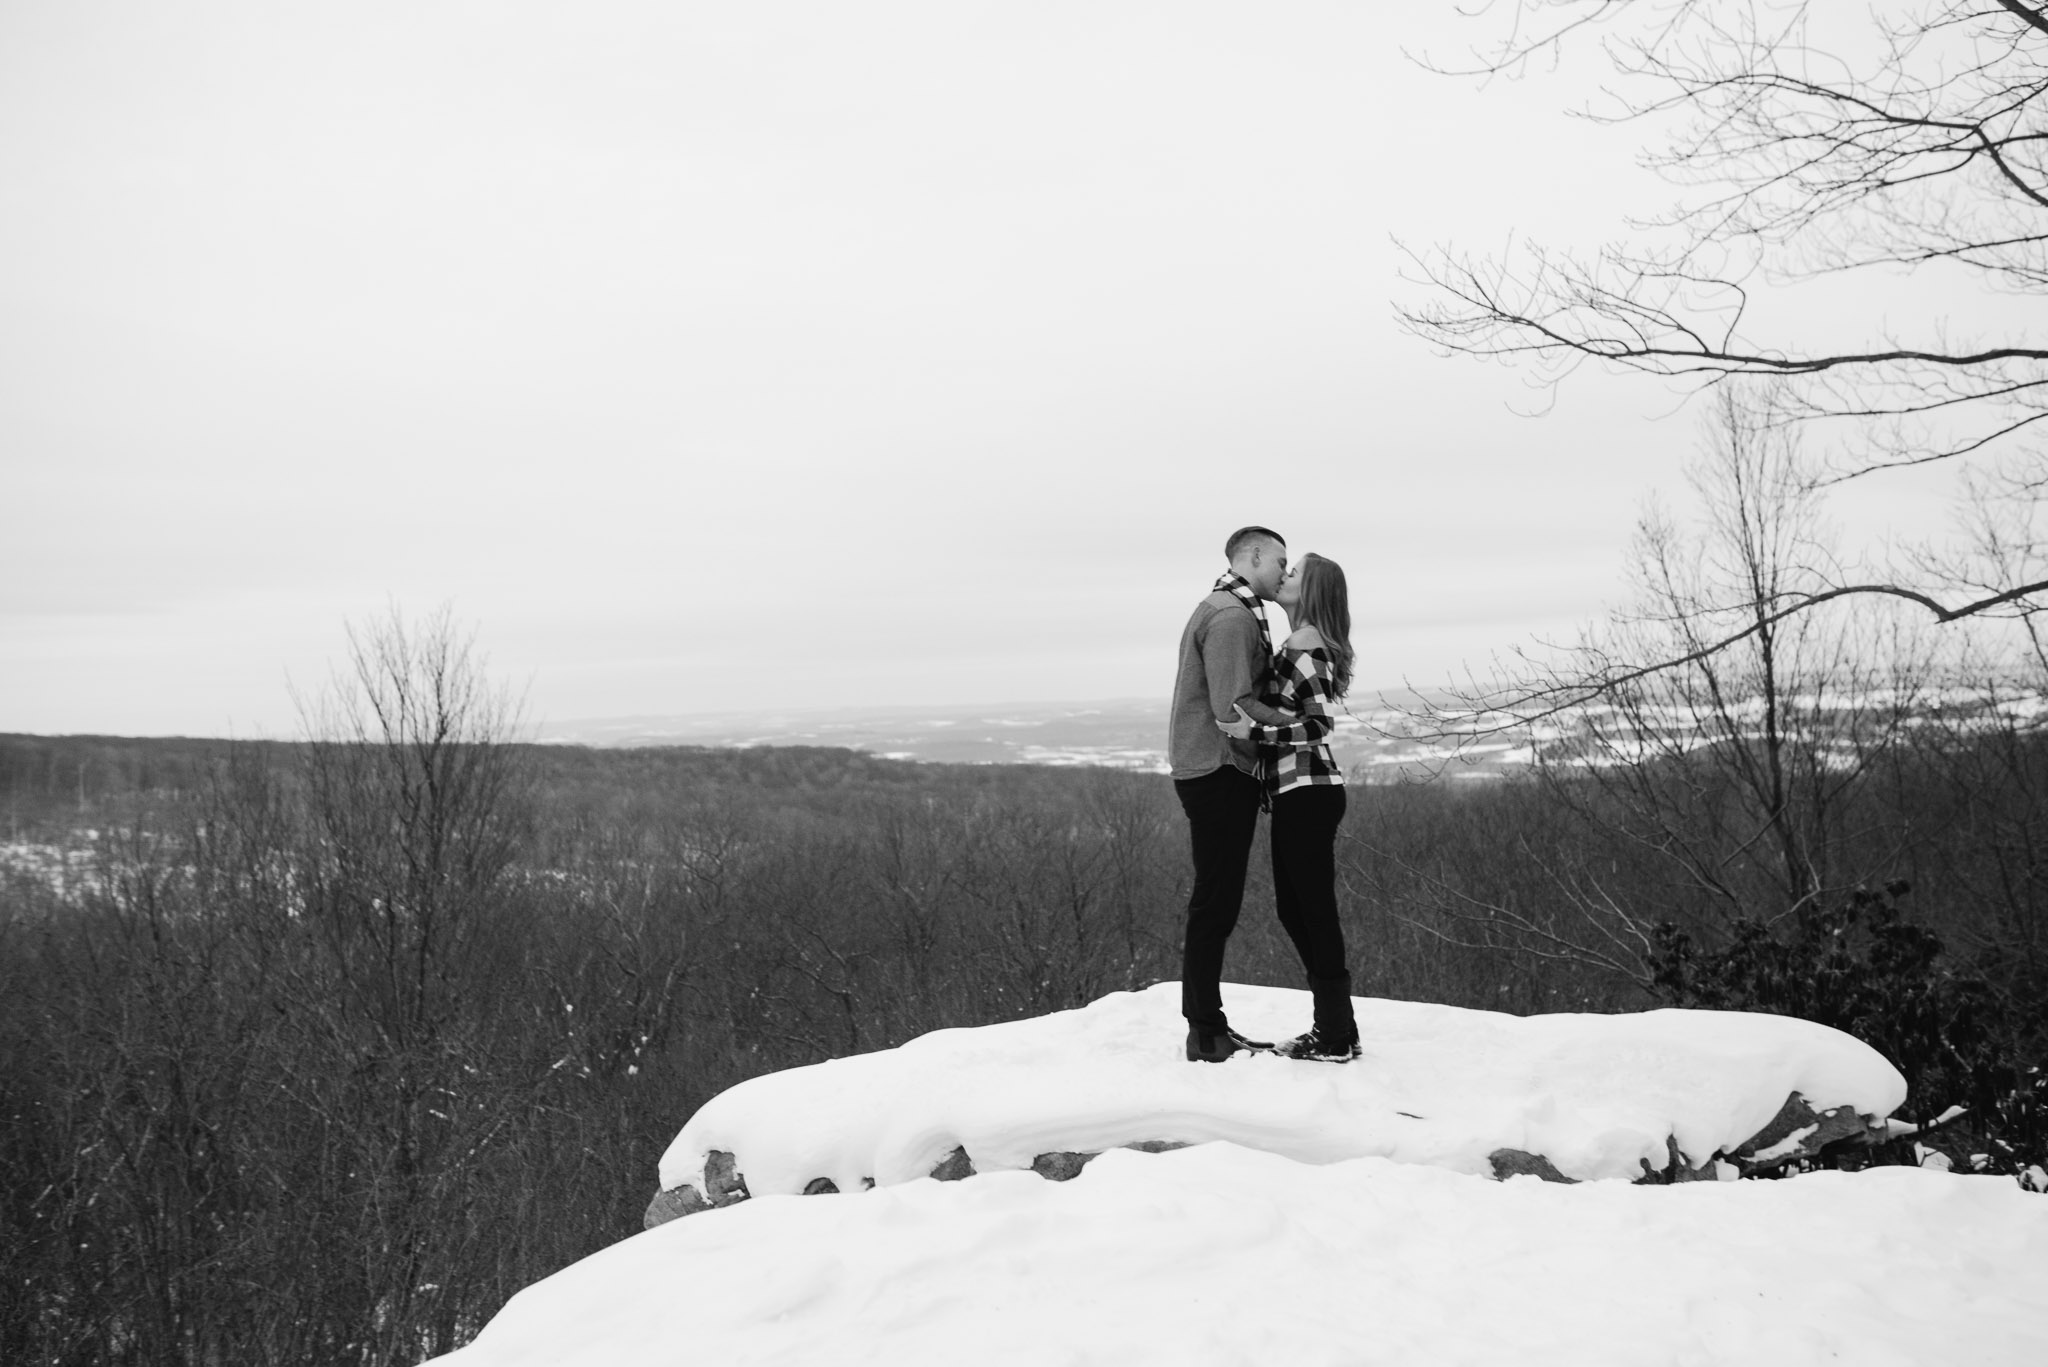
(1296, 755)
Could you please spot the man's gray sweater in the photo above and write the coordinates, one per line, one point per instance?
(1222, 661)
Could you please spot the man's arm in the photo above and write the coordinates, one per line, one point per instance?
(1262, 714)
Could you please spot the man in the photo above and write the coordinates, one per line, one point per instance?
(1225, 653)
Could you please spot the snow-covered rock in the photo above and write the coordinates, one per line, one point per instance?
(1666, 1093)
(1270, 1221)
(1222, 1255)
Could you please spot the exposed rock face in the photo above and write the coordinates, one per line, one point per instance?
(722, 1182)
(1515, 1163)
(723, 1186)
(729, 1187)
(1796, 1132)
(1676, 1169)
(1063, 1166)
(954, 1166)
(672, 1204)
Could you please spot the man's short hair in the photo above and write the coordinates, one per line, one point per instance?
(1243, 536)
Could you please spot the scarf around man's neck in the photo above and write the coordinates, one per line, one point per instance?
(1238, 587)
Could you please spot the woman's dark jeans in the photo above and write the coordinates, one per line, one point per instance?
(1304, 847)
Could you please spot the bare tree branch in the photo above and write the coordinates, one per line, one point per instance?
(2029, 16)
(1797, 163)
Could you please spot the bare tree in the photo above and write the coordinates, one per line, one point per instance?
(419, 806)
(1729, 776)
(415, 810)
(1927, 154)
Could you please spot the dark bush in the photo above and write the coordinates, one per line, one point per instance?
(1860, 966)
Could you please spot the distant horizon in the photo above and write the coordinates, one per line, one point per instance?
(813, 711)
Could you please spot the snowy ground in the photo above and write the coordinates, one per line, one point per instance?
(1268, 1244)
(1223, 1255)
(1597, 1095)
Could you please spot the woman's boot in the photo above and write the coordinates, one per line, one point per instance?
(1334, 1037)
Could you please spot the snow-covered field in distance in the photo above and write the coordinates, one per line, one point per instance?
(1118, 733)
(1378, 739)
(1126, 733)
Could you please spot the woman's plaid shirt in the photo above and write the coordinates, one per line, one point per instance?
(1295, 756)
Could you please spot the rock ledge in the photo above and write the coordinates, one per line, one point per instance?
(727, 1187)
(1796, 1132)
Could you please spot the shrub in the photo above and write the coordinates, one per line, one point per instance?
(1859, 966)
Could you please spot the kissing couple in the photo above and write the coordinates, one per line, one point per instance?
(1248, 731)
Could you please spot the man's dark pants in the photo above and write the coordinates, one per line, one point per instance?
(1223, 816)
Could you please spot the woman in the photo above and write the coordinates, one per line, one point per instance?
(1311, 672)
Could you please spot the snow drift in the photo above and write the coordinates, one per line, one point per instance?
(1599, 1096)
(1336, 1215)
(1222, 1255)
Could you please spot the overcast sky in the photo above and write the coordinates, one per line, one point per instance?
(709, 356)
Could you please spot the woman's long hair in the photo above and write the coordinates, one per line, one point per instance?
(1326, 605)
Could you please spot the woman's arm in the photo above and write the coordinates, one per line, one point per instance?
(1303, 708)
